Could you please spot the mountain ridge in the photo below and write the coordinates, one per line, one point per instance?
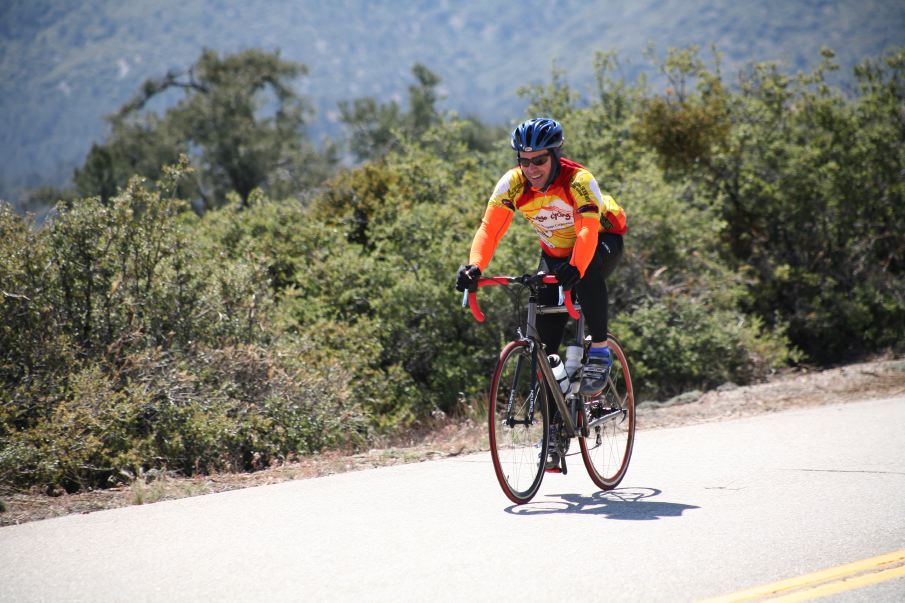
(66, 64)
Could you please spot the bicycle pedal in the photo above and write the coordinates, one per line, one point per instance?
(553, 470)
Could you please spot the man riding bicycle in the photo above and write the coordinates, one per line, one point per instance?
(580, 232)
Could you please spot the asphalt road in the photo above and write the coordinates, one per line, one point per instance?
(704, 511)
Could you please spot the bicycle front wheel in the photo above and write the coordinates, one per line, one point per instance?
(518, 422)
(607, 427)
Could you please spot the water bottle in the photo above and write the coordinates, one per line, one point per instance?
(573, 360)
(559, 371)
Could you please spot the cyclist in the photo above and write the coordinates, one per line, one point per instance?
(580, 232)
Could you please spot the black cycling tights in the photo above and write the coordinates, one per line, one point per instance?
(591, 292)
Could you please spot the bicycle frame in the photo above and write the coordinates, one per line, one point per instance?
(569, 415)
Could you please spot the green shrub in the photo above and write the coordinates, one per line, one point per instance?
(675, 345)
(136, 336)
(87, 437)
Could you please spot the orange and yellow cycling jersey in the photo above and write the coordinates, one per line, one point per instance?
(567, 216)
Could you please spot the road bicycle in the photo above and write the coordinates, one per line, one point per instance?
(522, 421)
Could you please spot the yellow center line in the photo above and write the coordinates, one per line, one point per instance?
(824, 582)
(842, 585)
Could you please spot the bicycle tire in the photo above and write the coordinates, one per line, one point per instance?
(606, 449)
(518, 441)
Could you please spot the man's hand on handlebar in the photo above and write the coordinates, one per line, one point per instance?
(467, 277)
(568, 276)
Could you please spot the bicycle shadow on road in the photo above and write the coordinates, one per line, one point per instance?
(622, 503)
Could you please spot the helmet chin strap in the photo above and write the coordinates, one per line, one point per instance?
(555, 155)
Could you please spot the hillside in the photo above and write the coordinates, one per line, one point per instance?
(64, 64)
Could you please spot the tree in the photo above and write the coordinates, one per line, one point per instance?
(376, 128)
(423, 100)
(240, 121)
(686, 126)
(807, 180)
(137, 146)
(370, 126)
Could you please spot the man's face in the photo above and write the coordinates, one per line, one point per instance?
(537, 175)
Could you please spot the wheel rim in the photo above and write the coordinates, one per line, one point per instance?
(607, 449)
(518, 446)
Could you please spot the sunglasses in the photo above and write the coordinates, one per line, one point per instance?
(539, 160)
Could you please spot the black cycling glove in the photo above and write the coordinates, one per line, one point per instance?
(568, 275)
(467, 277)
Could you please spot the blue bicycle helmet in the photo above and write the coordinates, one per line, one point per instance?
(537, 134)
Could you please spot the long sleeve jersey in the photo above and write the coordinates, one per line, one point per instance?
(567, 216)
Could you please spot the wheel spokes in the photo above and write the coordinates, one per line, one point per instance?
(518, 424)
(610, 424)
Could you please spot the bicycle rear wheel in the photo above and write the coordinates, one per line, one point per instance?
(610, 432)
(518, 422)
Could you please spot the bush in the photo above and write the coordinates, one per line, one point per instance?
(133, 343)
(88, 437)
(135, 335)
(238, 408)
(675, 345)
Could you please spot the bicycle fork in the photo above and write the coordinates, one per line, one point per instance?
(511, 421)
